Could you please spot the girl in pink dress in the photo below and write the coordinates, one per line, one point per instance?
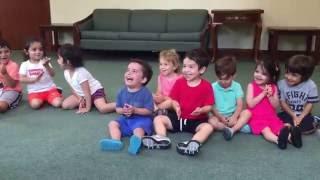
(169, 67)
(262, 101)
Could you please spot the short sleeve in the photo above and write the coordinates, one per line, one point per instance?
(281, 90)
(313, 96)
(239, 91)
(119, 102)
(23, 69)
(83, 75)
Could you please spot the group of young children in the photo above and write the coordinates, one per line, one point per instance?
(183, 102)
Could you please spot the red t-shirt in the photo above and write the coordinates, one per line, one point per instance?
(190, 98)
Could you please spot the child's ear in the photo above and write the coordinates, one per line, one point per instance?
(202, 70)
(144, 80)
(25, 52)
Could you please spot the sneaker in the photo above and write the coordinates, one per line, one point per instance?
(246, 129)
(283, 138)
(316, 121)
(135, 144)
(227, 133)
(156, 142)
(296, 137)
(190, 148)
(110, 145)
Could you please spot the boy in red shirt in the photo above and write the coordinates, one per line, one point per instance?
(191, 99)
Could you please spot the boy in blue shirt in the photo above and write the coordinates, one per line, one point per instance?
(228, 113)
(135, 105)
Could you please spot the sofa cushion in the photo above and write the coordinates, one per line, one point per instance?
(139, 36)
(186, 37)
(148, 21)
(111, 19)
(99, 35)
(186, 20)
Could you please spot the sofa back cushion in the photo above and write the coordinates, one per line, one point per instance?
(185, 20)
(111, 19)
(148, 21)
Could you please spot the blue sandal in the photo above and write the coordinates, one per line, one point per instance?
(110, 145)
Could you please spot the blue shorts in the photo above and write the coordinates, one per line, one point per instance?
(128, 125)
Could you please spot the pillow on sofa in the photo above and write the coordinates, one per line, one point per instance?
(148, 21)
(185, 20)
(111, 19)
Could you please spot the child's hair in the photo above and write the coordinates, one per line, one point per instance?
(301, 64)
(4, 44)
(172, 56)
(28, 44)
(146, 69)
(271, 68)
(71, 55)
(199, 56)
(226, 66)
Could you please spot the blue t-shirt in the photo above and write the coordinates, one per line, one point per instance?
(139, 99)
(226, 99)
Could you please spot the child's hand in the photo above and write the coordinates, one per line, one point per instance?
(128, 110)
(3, 69)
(45, 61)
(296, 121)
(197, 111)
(158, 98)
(231, 121)
(178, 111)
(269, 90)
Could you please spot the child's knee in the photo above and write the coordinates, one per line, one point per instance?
(113, 125)
(36, 103)
(4, 106)
(56, 102)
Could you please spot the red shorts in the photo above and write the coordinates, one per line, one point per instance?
(46, 96)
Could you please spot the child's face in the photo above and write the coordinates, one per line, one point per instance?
(60, 62)
(4, 54)
(35, 51)
(166, 67)
(133, 77)
(225, 80)
(293, 78)
(190, 70)
(260, 76)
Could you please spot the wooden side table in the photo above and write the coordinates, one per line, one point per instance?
(308, 32)
(245, 16)
(50, 34)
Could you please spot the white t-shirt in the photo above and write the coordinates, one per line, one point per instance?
(32, 70)
(79, 76)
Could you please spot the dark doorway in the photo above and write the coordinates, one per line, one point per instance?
(21, 19)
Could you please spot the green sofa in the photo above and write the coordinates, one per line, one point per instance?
(143, 30)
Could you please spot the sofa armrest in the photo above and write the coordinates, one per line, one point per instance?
(204, 33)
(86, 23)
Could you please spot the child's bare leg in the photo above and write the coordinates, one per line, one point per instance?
(139, 132)
(216, 124)
(103, 106)
(161, 124)
(114, 143)
(269, 135)
(35, 103)
(203, 131)
(243, 119)
(114, 130)
(56, 102)
(4, 106)
(70, 102)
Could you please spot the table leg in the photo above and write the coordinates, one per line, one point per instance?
(309, 44)
(214, 41)
(256, 43)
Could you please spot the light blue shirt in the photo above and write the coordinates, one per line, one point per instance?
(226, 99)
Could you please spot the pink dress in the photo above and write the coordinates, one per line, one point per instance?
(166, 83)
(264, 114)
